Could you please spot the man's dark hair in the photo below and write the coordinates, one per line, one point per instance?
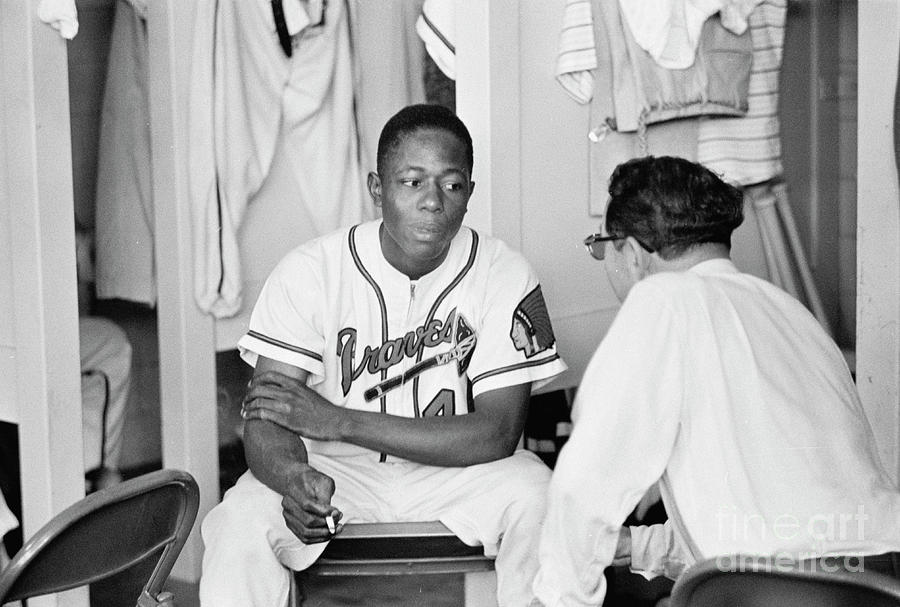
(672, 204)
(416, 117)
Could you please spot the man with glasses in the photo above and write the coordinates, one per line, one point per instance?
(720, 387)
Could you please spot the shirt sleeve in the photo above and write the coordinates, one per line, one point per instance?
(285, 324)
(516, 344)
(655, 551)
(626, 418)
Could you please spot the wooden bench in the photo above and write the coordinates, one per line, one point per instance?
(404, 549)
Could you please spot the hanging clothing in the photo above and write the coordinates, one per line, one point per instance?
(577, 56)
(643, 92)
(62, 15)
(597, 64)
(437, 27)
(246, 94)
(389, 70)
(124, 215)
(105, 355)
(747, 150)
(670, 30)
(388, 76)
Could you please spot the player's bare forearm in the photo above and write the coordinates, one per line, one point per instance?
(274, 454)
(452, 441)
(490, 432)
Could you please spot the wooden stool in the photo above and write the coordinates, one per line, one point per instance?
(405, 549)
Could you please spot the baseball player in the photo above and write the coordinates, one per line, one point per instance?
(388, 383)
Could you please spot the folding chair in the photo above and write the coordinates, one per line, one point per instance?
(749, 581)
(145, 519)
(405, 549)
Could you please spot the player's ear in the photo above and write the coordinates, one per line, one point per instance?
(374, 185)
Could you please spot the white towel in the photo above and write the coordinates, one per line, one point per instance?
(61, 14)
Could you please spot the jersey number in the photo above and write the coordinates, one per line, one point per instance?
(442, 404)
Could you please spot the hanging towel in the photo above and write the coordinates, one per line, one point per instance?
(436, 26)
(61, 15)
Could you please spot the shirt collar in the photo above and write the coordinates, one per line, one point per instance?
(719, 265)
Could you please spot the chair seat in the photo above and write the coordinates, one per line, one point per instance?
(754, 581)
(397, 549)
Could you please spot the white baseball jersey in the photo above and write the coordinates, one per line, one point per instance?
(374, 340)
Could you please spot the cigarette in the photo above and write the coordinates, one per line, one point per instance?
(330, 522)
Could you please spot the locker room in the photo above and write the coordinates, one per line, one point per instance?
(146, 197)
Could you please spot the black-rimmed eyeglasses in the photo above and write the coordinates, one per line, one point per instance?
(596, 244)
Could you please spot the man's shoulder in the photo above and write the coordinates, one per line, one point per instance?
(667, 283)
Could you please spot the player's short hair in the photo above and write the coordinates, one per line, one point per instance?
(671, 204)
(421, 116)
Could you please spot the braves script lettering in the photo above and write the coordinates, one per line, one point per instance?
(391, 352)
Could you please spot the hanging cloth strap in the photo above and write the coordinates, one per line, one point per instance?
(284, 38)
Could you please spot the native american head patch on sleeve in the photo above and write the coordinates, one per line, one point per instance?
(531, 331)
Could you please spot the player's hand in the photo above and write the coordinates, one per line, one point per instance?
(307, 505)
(290, 403)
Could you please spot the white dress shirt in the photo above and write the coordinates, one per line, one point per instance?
(726, 390)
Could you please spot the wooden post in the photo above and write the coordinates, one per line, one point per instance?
(487, 100)
(878, 227)
(186, 336)
(36, 190)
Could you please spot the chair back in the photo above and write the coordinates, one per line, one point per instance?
(148, 517)
(748, 581)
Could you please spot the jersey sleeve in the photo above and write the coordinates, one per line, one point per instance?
(516, 344)
(285, 324)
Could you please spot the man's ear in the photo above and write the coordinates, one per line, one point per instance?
(637, 259)
(374, 186)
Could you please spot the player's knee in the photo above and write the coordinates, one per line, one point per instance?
(528, 482)
(234, 525)
(529, 470)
